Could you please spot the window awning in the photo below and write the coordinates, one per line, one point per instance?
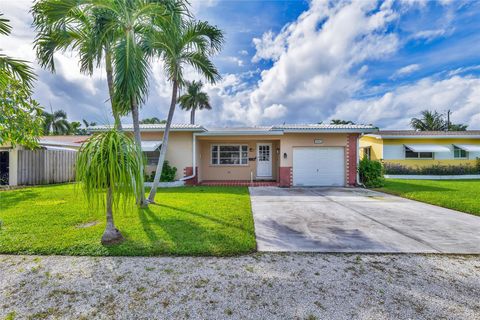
(149, 146)
(427, 148)
(469, 147)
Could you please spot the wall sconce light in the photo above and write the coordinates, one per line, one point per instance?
(251, 149)
(278, 150)
(284, 155)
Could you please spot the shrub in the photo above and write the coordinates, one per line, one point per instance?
(477, 164)
(371, 173)
(436, 169)
(168, 173)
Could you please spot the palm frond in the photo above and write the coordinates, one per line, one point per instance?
(109, 160)
(17, 69)
(5, 28)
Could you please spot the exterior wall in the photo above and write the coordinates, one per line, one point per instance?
(394, 152)
(290, 140)
(376, 147)
(179, 153)
(13, 166)
(233, 172)
(351, 155)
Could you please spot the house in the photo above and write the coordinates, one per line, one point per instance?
(420, 149)
(52, 162)
(284, 155)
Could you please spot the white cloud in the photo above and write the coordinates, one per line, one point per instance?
(394, 109)
(405, 71)
(314, 57)
(275, 111)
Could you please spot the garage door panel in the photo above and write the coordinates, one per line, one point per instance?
(319, 166)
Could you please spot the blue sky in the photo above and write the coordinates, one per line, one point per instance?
(303, 61)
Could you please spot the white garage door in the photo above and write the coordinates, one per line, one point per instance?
(319, 166)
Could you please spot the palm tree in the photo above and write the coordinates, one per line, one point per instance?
(430, 121)
(180, 44)
(56, 123)
(194, 99)
(78, 26)
(133, 22)
(108, 165)
(153, 120)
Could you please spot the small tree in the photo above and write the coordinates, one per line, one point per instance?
(20, 120)
(109, 167)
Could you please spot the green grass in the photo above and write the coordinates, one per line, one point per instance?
(188, 221)
(461, 195)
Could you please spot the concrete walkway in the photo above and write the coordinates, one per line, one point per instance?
(358, 220)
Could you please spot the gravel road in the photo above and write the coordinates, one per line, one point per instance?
(258, 286)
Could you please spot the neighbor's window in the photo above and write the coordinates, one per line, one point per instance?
(409, 154)
(459, 153)
(230, 154)
(367, 153)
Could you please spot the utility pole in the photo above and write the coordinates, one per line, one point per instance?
(448, 120)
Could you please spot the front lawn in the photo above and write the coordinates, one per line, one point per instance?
(461, 195)
(188, 221)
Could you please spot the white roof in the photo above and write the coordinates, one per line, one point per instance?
(268, 130)
(325, 128)
(152, 127)
(427, 148)
(149, 146)
(469, 147)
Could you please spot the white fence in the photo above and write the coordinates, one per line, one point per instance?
(46, 166)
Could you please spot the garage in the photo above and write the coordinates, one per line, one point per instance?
(318, 166)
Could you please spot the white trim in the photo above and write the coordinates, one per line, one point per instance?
(468, 147)
(271, 160)
(432, 177)
(377, 136)
(427, 148)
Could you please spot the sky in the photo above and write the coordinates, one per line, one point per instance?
(295, 61)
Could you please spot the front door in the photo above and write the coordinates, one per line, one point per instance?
(264, 160)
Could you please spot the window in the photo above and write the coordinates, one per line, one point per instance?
(152, 157)
(367, 153)
(229, 154)
(409, 154)
(459, 153)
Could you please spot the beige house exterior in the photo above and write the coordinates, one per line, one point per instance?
(290, 155)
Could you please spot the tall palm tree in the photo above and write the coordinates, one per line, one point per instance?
(56, 123)
(136, 22)
(181, 44)
(430, 121)
(78, 26)
(194, 99)
(109, 166)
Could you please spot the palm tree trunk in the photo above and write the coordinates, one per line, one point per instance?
(109, 69)
(192, 116)
(138, 141)
(111, 235)
(163, 149)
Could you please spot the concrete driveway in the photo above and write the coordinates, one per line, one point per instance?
(357, 220)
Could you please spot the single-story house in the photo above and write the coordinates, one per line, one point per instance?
(52, 162)
(284, 155)
(419, 149)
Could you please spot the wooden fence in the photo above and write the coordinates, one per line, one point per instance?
(46, 166)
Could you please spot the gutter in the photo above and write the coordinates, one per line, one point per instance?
(194, 158)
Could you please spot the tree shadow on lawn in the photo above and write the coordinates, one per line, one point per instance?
(203, 190)
(12, 198)
(186, 237)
